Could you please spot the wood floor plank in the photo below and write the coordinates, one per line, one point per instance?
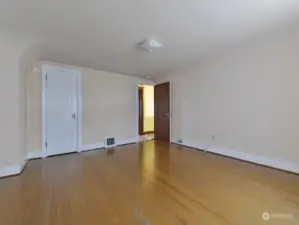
(152, 183)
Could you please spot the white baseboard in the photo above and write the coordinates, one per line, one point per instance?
(274, 163)
(92, 146)
(17, 169)
(99, 145)
(23, 165)
(33, 155)
(126, 141)
(10, 170)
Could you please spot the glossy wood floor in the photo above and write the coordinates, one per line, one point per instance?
(151, 183)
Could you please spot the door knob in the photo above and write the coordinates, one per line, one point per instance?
(74, 116)
(167, 114)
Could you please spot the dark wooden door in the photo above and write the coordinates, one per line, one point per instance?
(162, 116)
(140, 114)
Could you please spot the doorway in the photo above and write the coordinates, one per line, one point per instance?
(146, 112)
(61, 111)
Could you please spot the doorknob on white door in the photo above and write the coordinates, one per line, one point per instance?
(74, 116)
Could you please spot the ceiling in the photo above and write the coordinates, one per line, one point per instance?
(104, 34)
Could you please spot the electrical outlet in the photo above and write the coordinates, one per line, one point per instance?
(180, 141)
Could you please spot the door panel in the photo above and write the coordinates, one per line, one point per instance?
(61, 112)
(140, 116)
(162, 112)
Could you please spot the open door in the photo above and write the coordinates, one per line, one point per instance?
(162, 116)
(140, 114)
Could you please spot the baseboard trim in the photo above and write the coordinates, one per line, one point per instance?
(101, 145)
(34, 155)
(17, 169)
(22, 167)
(91, 147)
(261, 160)
(6, 171)
(126, 141)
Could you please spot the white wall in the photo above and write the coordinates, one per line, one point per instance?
(12, 119)
(109, 106)
(248, 97)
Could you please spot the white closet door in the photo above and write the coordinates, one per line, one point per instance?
(61, 112)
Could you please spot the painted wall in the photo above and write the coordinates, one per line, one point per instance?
(109, 106)
(12, 92)
(244, 100)
(148, 99)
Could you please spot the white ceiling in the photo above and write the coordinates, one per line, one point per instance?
(103, 34)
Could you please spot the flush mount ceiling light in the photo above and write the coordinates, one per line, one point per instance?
(150, 44)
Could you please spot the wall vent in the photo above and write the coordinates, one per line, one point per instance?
(110, 142)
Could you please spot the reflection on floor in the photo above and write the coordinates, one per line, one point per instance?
(151, 183)
(146, 137)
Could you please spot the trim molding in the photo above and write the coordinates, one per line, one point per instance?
(79, 111)
(101, 145)
(261, 160)
(34, 155)
(126, 141)
(45, 69)
(22, 167)
(6, 171)
(91, 147)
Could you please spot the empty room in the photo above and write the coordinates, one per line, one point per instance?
(149, 112)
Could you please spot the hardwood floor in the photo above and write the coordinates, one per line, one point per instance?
(151, 182)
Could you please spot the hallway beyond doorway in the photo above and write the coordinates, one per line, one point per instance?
(146, 109)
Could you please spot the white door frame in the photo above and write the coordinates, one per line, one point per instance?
(45, 69)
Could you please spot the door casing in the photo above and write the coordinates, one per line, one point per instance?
(45, 69)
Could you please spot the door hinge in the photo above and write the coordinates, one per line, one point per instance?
(46, 144)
